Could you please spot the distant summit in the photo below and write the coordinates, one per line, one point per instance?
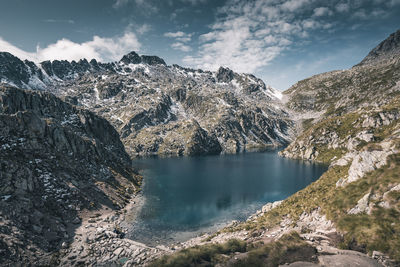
(134, 58)
(388, 48)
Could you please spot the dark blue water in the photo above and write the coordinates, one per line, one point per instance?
(188, 195)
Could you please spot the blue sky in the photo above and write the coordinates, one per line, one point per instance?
(279, 41)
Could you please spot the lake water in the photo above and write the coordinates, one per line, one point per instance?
(186, 196)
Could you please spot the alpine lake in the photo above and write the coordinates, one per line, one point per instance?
(183, 197)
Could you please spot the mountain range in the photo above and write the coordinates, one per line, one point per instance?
(69, 131)
(160, 109)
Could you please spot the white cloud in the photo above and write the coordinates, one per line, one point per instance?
(181, 38)
(120, 3)
(194, 2)
(174, 34)
(293, 5)
(342, 7)
(392, 3)
(182, 47)
(322, 11)
(360, 14)
(379, 13)
(250, 34)
(70, 21)
(143, 29)
(146, 6)
(7, 47)
(102, 49)
(311, 24)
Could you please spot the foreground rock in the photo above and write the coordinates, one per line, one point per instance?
(56, 162)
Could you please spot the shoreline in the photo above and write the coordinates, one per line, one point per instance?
(96, 243)
(100, 240)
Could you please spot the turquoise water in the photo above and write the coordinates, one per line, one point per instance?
(186, 196)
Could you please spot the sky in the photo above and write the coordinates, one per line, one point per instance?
(279, 41)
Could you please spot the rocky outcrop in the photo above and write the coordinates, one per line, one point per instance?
(131, 57)
(20, 73)
(364, 162)
(134, 58)
(56, 161)
(224, 75)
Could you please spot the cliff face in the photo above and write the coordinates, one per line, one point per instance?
(56, 160)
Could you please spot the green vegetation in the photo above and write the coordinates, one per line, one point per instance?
(289, 248)
(378, 230)
(365, 232)
(326, 155)
(206, 255)
(308, 123)
(306, 200)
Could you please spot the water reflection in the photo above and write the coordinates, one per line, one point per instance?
(191, 194)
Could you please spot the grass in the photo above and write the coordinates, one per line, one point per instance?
(308, 123)
(304, 200)
(289, 248)
(326, 155)
(206, 255)
(379, 230)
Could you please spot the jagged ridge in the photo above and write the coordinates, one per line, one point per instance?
(160, 109)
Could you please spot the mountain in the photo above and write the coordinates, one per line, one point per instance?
(365, 89)
(350, 121)
(66, 147)
(386, 50)
(160, 109)
(56, 161)
(68, 131)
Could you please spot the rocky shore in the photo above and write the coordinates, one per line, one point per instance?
(100, 241)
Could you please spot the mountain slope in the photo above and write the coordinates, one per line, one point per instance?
(160, 109)
(358, 134)
(386, 50)
(56, 161)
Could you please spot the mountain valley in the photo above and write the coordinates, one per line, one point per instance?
(70, 130)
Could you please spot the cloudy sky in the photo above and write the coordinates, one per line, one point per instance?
(279, 41)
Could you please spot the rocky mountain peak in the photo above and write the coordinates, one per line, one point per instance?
(17, 72)
(131, 57)
(225, 75)
(134, 58)
(153, 60)
(386, 49)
